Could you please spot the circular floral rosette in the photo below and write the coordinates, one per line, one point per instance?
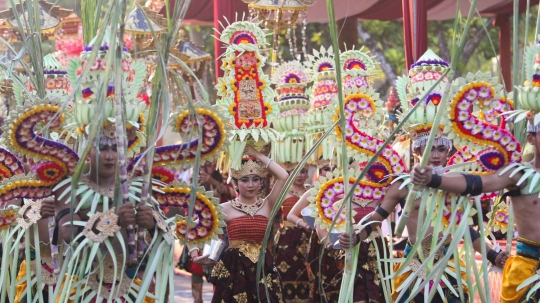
(207, 220)
(446, 207)
(362, 121)
(329, 191)
(10, 165)
(55, 161)
(186, 121)
(8, 217)
(499, 216)
(357, 66)
(500, 147)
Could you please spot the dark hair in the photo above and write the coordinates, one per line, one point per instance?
(263, 186)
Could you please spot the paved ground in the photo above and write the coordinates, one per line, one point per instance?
(182, 289)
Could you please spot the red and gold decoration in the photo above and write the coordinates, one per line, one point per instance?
(244, 91)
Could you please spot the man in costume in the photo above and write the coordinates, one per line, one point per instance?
(420, 126)
(519, 181)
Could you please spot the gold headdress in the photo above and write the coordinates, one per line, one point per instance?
(249, 167)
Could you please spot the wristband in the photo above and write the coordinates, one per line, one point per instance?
(357, 238)
(381, 211)
(268, 163)
(474, 185)
(195, 248)
(435, 182)
(492, 255)
(298, 221)
(474, 234)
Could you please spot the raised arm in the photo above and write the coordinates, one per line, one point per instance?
(275, 169)
(294, 215)
(464, 184)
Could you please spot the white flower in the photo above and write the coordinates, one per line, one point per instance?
(505, 140)
(458, 159)
(471, 94)
(357, 191)
(349, 131)
(364, 142)
(488, 133)
(325, 202)
(347, 115)
(355, 138)
(468, 124)
(497, 135)
(363, 103)
(398, 169)
(477, 129)
(387, 153)
(338, 188)
(419, 77)
(351, 105)
(463, 116)
(394, 159)
(463, 105)
(367, 193)
(511, 146)
(484, 92)
(377, 194)
(329, 194)
(329, 213)
(428, 76)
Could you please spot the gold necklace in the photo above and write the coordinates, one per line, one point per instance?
(248, 209)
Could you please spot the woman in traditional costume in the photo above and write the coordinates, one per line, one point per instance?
(291, 245)
(235, 275)
(327, 277)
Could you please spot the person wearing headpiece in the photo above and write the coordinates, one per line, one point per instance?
(235, 274)
(520, 180)
(419, 127)
(291, 244)
(329, 275)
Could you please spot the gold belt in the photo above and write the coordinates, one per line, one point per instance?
(288, 224)
(249, 249)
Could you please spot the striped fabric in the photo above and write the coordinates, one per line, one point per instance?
(247, 228)
(287, 206)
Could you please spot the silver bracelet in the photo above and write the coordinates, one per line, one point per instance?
(195, 248)
(298, 221)
(268, 163)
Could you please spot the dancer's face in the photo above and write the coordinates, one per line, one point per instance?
(249, 186)
(438, 155)
(324, 170)
(106, 159)
(301, 177)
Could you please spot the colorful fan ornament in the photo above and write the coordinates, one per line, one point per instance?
(208, 219)
(290, 79)
(357, 67)
(323, 93)
(55, 161)
(186, 122)
(500, 148)
(244, 90)
(499, 217)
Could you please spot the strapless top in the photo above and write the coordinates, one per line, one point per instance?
(247, 228)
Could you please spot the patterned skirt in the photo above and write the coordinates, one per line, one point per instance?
(326, 277)
(235, 278)
(367, 282)
(290, 259)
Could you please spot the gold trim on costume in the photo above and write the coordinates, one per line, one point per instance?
(122, 283)
(47, 277)
(251, 209)
(107, 225)
(249, 249)
(527, 241)
(250, 167)
(32, 212)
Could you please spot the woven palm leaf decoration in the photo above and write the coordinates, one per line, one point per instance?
(244, 91)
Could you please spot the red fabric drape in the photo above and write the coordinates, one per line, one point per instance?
(505, 54)
(414, 29)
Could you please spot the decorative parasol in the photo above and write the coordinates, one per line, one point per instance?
(50, 16)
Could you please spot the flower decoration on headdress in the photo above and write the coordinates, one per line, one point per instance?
(290, 79)
(422, 76)
(84, 112)
(357, 66)
(244, 91)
